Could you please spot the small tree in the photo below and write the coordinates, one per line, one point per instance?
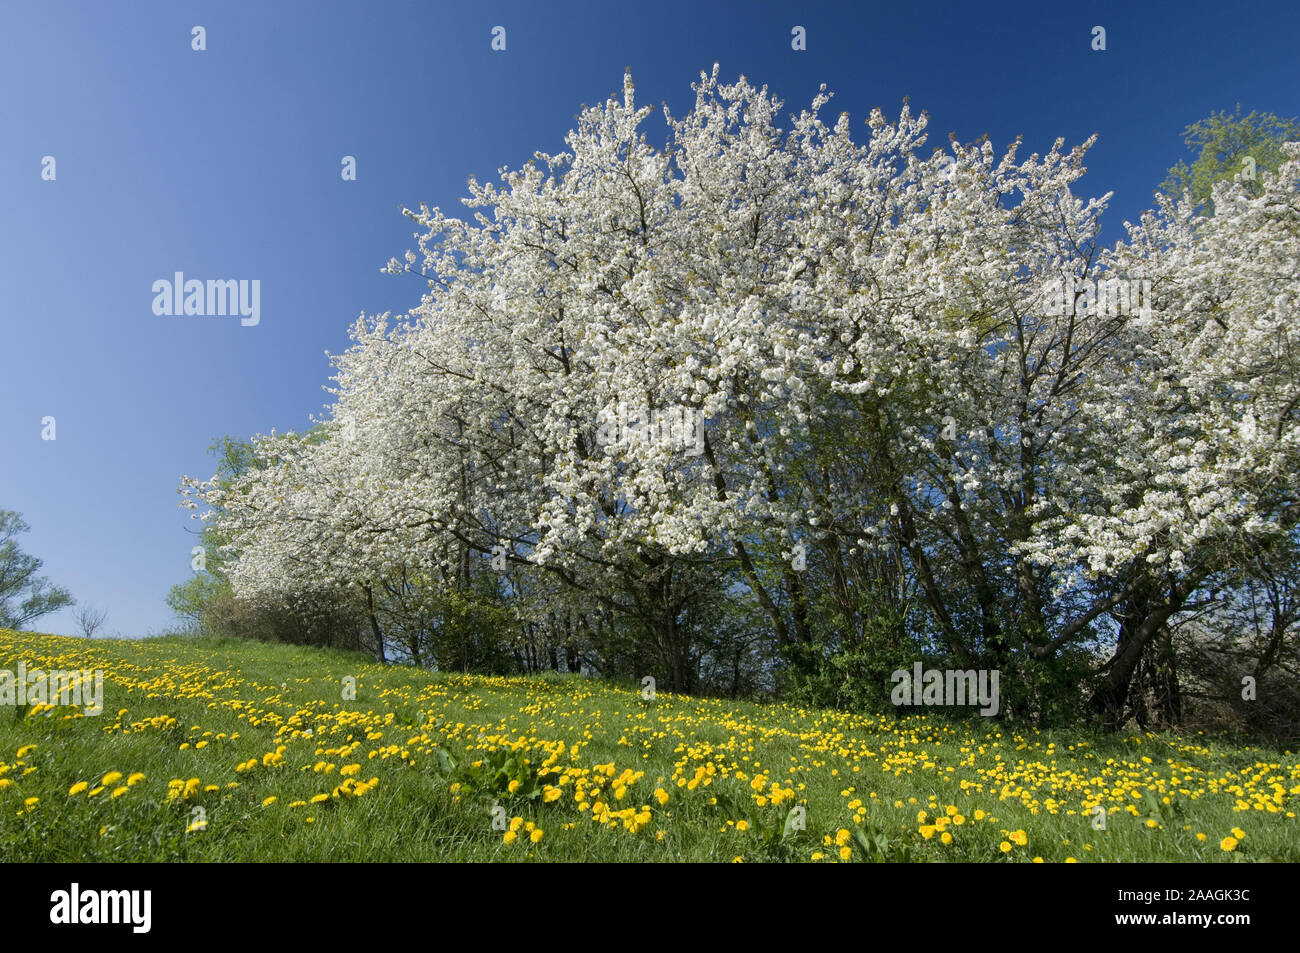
(24, 596)
(90, 620)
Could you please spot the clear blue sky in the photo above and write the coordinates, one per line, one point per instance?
(226, 164)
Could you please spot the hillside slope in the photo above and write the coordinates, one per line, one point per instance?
(242, 751)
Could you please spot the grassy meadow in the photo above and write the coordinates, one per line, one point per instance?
(236, 751)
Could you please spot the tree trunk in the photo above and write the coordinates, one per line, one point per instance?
(374, 626)
(1140, 625)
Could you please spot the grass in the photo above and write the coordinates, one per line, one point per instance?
(603, 773)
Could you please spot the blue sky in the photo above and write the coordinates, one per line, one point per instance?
(226, 164)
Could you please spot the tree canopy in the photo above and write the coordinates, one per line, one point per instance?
(937, 419)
